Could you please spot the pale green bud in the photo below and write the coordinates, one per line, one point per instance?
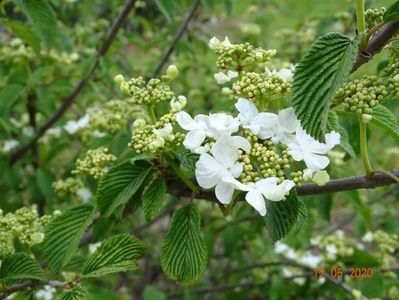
(172, 72)
(139, 124)
(119, 79)
(37, 237)
(366, 118)
(321, 178)
(179, 103)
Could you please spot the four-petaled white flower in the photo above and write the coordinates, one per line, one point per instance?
(259, 123)
(267, 188)
(222, 78)
(284, 129)
(309, 150)
(218, 170)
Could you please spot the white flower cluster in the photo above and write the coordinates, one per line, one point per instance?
(212, 137)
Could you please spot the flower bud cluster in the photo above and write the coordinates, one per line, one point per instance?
(24, 224)
(361, 95)
(387, 244)
(238, 56)
(67, 187)
(153, 92)
(374, 16)
(392, 74)
(96, 163)
(256, 86)
(335, 245)
(152, 138)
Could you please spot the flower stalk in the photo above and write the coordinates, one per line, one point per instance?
(363, 147)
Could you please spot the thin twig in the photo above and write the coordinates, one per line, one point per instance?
(26, 284)
(177, 37)
(71, 98)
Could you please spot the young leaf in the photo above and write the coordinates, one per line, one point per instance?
(282, 216)
(63, 235)
(153, 198)
(20, 265)
(77, 293)
(42, 17)
(334, 125)
(384, 118)
(168, 8)
(118, 253)
(392, 13)
(120, 184)
(317, 78)
(184, 254)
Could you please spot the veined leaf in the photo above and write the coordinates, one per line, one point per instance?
(334, 125)
(392, 13)
(120, 184)
(63, 235)
(186, 158)
(184, 254)
(168, 8)
(283, 216)
(317, 78)
(153, 198)
(77, 293)
(118, 253)
(42, 17)
(384, 118)
(20, 265)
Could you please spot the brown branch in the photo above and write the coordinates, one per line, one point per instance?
(71, 98)
(376, 43)
(333, 186)
(177, 37)
(29, 284)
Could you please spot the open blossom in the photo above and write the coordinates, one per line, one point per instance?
(214, 43)
(284, 129)
(222, 78)
(267, 188)
(312, 152)
(74, 126)
(202, 126)
(218, 169)
(284, 74)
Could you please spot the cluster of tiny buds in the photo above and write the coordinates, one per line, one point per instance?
(25, 224)
(96, 163)
(374, 16)
(256, 86)
(262, 161)
(361, 95)
(392, 74)
(239, 56)
(387, 243)
(335, 245)
(67, 187)
(150, 93)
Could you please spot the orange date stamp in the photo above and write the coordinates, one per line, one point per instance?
(338, 272)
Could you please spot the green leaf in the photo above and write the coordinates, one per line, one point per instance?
(118, 253)
(372, 287)
(184, 254)
(384, 118)
(153, 198)
(42, 18)
(77, 293)
(44, 179)
(186, 158)
(25, 33)
(168, 8)
(317, 78)
(63, 235)
(20, 265)
(120, 184)
(9, 95)
(283, 216)
(392, 13)
(334, 125)
(152, 293)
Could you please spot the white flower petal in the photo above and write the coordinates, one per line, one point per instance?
(194, 139)
(247, 110)
(288, 120)
(256, 200)
(207, 171)
(224, 192)
(186, 121)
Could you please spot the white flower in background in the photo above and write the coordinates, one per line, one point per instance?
(285, 250)
(28, 131)
(178, 104)
(93, 247)
(222, 78)
(84, 194)
(202, 126)
(97, 133)
(214, 43)
(56, 132)
(139, 124)
(251, 119)
(74, 126)
(284, 129)
(8, 145)
(266, 188)
(46, 293)
(368, 237)
(218, 169)
(310, 260)
(309, 150)
(284, 74)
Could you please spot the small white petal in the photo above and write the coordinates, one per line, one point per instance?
(194, 139)
(256, 200)
(224, 192)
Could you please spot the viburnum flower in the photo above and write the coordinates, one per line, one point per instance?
(214, 43)
(284, 74)
(222, 78)
(309, 150)
(267, 188)
(218, 170)
(202, 126)
(74, 126)
(259, 123)
(165, 132)
(284, 129)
